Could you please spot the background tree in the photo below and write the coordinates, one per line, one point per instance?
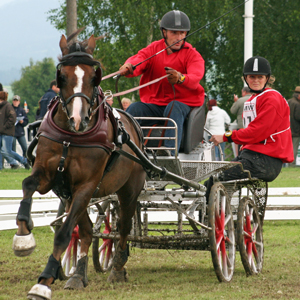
(35, 80)
(131, 25)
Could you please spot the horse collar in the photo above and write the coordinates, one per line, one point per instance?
(95, 137)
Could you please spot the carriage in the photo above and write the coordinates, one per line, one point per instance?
(173, 213)
(93, 157)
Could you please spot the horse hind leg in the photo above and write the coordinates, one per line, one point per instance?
(23, 242)
(80, 280)
(118, 272)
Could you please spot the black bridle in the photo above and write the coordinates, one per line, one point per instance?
(74, 59)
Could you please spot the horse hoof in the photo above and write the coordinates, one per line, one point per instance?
(117, 276)
(23, 245)
(39, 292)
(75, 283)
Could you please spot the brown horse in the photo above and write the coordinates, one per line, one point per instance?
(76, 141)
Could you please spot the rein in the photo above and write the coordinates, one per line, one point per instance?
(140, 86)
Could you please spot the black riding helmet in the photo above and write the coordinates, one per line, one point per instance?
(175, 20)
(257, 65)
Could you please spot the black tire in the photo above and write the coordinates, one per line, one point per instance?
(250, 236)
(221, 235)
(103, 249)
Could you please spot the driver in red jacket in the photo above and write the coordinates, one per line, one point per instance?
(173, 96)
(266, 138)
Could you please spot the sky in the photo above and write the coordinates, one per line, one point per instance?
(26, 34)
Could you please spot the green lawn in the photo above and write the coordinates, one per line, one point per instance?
(12, 179)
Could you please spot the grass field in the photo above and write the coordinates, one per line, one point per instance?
(162, 274)
(12, 179)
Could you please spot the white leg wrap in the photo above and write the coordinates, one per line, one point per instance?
(23, 245)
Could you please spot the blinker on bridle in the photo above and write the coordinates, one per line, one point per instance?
(68, 60)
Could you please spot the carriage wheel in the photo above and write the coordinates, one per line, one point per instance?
(103, 249)
(250, 236)
(221, 237)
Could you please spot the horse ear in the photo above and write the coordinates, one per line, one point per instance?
(63, 45)
(98, 76)
(91, 45)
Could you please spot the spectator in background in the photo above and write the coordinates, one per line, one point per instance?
(216, 119)
(7, 131)
(125, 103)
(238, 107)
(45, 100)
(38, 111)
(22, 121)
(294, 104)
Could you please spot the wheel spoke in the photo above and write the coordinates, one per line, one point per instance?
(255, 227)
(246, 234)
(253, 265)
(230, 266)
(75, 253)
(259, 244)
(254, 250)
(249, 252)
(223, 209)
(228, 240)
(224, 259)
(67, 254)
(217, 219)
(248, 223)
(108, 255)
(219, 239)
(228, 218)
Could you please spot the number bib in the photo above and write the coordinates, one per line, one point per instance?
(249, 113)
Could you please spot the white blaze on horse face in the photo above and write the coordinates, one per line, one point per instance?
(77, 104)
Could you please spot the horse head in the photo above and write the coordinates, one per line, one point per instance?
(78, 80)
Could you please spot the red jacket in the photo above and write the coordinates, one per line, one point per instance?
(188, 61)
(266, 130)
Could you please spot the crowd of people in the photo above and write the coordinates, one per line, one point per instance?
(12, 121)
(264, 131)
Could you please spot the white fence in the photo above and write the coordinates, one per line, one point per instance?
(283, 204)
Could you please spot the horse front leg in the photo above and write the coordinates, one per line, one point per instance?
(77, 215)
(23, 242)
(62, 238)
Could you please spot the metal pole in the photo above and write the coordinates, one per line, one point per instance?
(71, 17)
(248, 31)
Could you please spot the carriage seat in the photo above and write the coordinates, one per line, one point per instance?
(193, 129)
